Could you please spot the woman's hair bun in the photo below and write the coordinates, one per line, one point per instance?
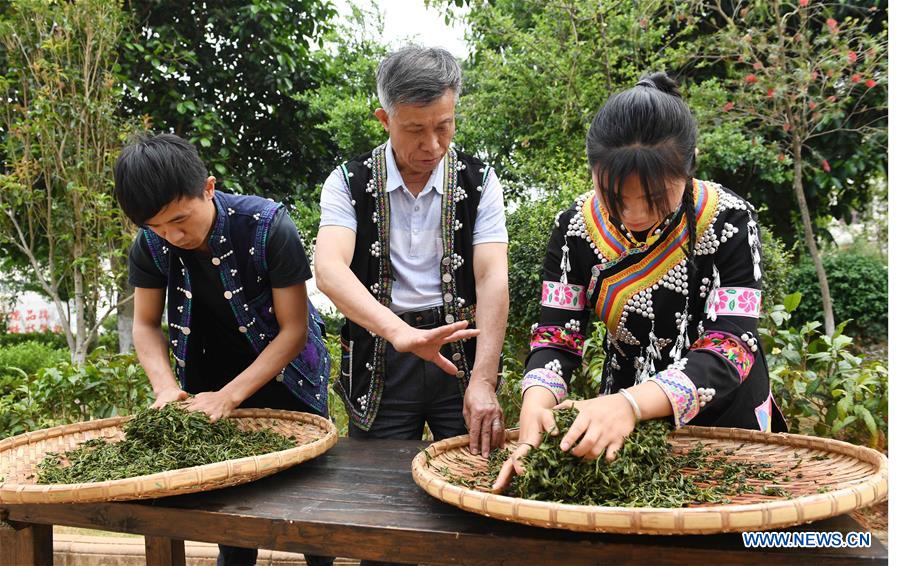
(660, 81)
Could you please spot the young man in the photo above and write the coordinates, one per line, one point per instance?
(234, 271)
(412, 235)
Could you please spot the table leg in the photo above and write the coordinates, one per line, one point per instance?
(163, 551)
(25, 544)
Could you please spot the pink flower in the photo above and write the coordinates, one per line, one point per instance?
(722, 302)
(851, 56)
(804, 3)
(871, 83)
(728, 106)
(750, 79)
(747, 301)
(832, 24)
(855, 78)
(826, 166)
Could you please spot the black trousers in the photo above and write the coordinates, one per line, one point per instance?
(415, 392)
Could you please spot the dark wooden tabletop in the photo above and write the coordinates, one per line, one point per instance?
(359, 501)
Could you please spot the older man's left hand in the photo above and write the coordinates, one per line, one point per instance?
(483, 416)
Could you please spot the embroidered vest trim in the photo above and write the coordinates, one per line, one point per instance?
(458, 299)
(248, 293)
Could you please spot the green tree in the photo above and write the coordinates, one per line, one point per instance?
(539, 71)
(225, 75)
(347, 99)
(61, 134)
(796, 69)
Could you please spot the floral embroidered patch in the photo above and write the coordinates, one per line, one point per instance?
(764, 414)
(737, 301)
(682, 394)
(563, 296)
(546, 378)
(730, 347)
(557, 337)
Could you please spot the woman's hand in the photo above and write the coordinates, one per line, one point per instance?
(602, 425)
(533, 423)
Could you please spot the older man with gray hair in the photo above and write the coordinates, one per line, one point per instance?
(412, 236)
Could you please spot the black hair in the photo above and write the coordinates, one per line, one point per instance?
(647, 130)
(154, 171)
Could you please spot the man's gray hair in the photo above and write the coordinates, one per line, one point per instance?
(417, 75)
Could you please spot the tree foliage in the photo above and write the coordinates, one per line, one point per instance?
(226, 76)
(347, 101)
(539, 71)
(61, 133)
(813, 81)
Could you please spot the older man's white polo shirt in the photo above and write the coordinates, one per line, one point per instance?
(416, 229)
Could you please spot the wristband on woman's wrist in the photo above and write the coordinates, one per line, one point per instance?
(633, 403)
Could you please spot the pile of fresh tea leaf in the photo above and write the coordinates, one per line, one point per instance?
(158, 440)
(645, 472)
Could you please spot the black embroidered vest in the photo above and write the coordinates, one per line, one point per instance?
(363, 354)
(238, 245)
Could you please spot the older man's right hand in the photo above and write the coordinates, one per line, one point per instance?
(427, 344)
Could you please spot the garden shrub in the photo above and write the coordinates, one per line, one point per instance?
(54, 339)
(821, 386)
(108, 337)
(29, 357)
(336, 410)
(106, 385)
(509, 395)
(777, 266)
(859, 291)
(529, 225)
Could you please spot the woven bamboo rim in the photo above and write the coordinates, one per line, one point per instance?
(19, 456)
(854, 476)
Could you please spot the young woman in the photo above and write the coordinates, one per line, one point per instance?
(672, 266)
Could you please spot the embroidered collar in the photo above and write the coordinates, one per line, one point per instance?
(615, 241)
(618, 287)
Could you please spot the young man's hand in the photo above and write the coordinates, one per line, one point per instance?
(169, 395)
(216, 404)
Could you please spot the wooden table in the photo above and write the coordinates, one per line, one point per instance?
(359, 501)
